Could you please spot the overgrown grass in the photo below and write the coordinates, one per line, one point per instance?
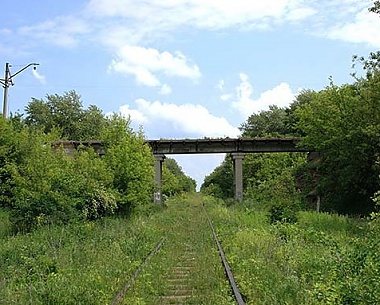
(83, 263)
(322, 259)
(90, 262)
(5, 225)
(186, 234)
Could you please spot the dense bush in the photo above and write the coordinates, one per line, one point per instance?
(45, 186)
(131, 162)
(52, 187)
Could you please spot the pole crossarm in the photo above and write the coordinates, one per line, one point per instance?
(7, 81)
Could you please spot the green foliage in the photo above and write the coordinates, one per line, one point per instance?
(67, 114)
(174, 180)
(321, 259)
(43, 186)
(375, 8)
(270, 123)
(291, 119)
(267, 178)
(52, 187)
(131, 162)
(220, 182)
(282, 214)
(90, 262)
(343, 125)
(79, 263)
(5, 225)
(6, 153)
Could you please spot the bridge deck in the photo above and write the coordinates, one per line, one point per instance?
(206, 146)
(202, 146)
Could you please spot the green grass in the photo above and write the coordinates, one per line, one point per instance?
(322, 259)
(84, 263)
(186, 234)
(89, 263)
(5, 225)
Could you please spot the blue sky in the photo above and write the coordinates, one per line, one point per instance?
(183, 68)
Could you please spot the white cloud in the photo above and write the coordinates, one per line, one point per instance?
(115, 23)
(135, 115)
(220, 85)
(38, 76)
(145, 63)
(165, 89)
(364, 28)
(63, 31)
(281, 95)
(148, 21)
(187, 120)
(226, 97)
(211, 14)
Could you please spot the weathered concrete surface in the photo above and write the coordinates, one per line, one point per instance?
(212, 146)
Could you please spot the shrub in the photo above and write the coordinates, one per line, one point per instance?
(131, 162)
(282, 214)
(54, 188)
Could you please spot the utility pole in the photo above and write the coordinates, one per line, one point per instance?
(8, 80)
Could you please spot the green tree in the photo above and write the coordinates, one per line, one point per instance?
(180, 182)
(67, 114)
(291, 119)
(375, 8)
(269, 123)
(343, 125)
(131, 162)
(268, 178)
(220, 182)
(9, 154)
(170, 182)
(262, 173)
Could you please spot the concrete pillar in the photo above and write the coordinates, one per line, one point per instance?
(238, 175)
(159, 159)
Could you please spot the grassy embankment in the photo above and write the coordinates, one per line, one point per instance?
(323, 259)
(89, 263)
(84, 263)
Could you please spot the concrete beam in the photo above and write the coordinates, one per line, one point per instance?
(203, 146)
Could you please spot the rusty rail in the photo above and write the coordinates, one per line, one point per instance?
(120, 296)
(235, 289)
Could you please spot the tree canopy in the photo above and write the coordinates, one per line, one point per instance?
(66, 114)
(174, 179)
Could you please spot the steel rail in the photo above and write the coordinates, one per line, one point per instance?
(120, 296)
(235, 289)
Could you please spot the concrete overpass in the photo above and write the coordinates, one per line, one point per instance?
(237, 148)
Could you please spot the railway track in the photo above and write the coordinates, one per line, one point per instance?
(191, 261)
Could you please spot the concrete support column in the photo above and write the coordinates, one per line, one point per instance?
(238, 174)
(159, 159)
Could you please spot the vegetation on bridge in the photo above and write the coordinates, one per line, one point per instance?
(41, 186)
